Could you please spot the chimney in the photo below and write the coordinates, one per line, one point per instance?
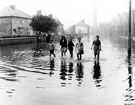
(12, 7)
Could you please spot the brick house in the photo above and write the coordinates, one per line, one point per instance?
(13, 20)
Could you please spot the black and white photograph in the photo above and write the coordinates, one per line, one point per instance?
(67, 52)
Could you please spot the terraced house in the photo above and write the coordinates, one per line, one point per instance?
(14, 22)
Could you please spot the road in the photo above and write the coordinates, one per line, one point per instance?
(29, 77)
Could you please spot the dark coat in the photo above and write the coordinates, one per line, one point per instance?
(70, 45)
(63, 43)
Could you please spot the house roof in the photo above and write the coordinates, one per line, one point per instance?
(12, 11)
(81, 23)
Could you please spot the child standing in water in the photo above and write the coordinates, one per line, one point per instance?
(79, 49)
(52, 48)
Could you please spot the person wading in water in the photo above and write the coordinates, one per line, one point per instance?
(52, 48)
(79, 48)
(63, 44)
(70, 47)
(96, 47)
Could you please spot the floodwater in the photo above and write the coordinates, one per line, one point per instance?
(28, 76)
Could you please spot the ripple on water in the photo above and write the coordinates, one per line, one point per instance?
(8, 74)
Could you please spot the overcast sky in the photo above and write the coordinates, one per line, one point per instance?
(72, 11)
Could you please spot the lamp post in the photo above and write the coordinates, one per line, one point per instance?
(129, 36)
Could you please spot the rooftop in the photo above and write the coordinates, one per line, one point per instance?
(81, 23)
(12, 11)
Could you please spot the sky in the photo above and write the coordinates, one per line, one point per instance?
(70, 12)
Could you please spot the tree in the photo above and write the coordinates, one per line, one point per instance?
(45, 24)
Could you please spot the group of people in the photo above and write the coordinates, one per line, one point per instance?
(79, 47)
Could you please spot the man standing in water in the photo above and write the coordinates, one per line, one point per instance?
(96, 47)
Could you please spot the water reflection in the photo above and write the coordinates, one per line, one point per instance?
(8, 74)
(122, 42)
(97, 73)
(79, 73)
(70, 71)
(67, 72)
(71, 65)
(52, 65)
(130, 72)
(63, 70)
(129, 96)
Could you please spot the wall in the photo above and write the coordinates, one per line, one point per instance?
(5, 26)
(17, 40)
(22, 26)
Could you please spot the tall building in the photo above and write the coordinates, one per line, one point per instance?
(14, 19)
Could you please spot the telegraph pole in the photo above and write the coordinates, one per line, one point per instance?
(129, 36)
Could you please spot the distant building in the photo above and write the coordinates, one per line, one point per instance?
(81, 28)
(14, 22)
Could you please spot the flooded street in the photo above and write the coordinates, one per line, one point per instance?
(29, 77)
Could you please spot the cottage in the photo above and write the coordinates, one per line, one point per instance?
(14, 22)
